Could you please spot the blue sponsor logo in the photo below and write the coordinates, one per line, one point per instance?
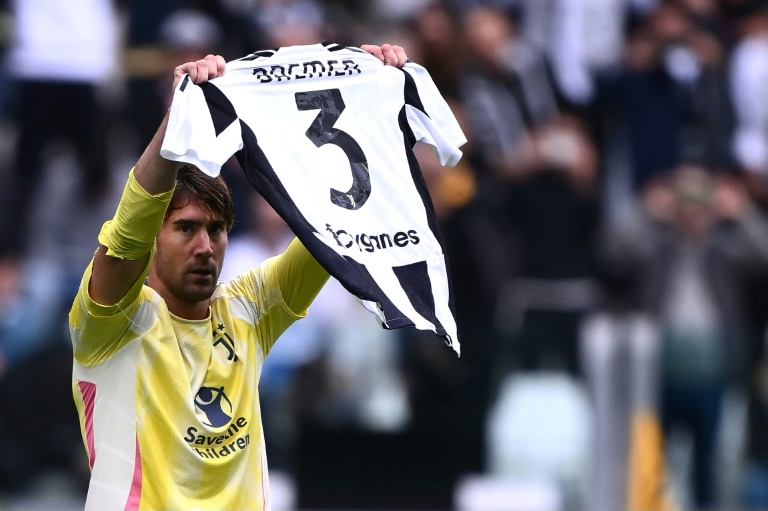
(215, 404)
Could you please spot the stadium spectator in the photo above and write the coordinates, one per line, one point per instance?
(672, 95)
(59, 63)
(697, 244)
(59, 57)
(541, 168)
(748, 77)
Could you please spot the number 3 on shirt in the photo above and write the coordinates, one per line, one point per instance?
(322, 132)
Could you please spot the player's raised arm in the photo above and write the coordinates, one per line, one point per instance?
(127, 240)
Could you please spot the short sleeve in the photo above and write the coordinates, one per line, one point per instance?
(99, 331)
(430, 117)
(203, 127)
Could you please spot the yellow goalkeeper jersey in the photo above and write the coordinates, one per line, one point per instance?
(169, 408)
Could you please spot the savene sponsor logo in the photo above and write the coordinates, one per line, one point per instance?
(373, 242)
(222, 444)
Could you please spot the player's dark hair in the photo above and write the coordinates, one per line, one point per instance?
(192, 185)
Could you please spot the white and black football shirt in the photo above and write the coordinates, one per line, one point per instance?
(324, 133)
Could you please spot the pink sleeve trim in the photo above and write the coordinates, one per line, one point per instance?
(88, 393)
(134, 497)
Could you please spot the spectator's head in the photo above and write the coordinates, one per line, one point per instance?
(701, 9)
(693, 190)
(436, 26)
(488, 32)
(670, 23)
(437, 43)
(292, 22)
(670, 39)
(693, 199)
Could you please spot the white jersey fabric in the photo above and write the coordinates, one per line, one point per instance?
(325, 133)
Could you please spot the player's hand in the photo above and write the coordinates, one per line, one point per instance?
(200, 71)
(390, 55)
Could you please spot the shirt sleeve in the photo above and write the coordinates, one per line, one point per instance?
(99, 331)
(430, 117)
(300, 276)
(203, 127)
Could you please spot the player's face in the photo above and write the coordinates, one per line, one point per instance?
(190, 253)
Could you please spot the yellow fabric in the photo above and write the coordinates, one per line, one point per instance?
(299, 275)
(648, 485)
(176, 422)
(139, 216)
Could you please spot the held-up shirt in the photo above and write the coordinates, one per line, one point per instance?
(325, 134)
(168, 407)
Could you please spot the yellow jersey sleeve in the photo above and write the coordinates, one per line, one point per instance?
(281, 289)
(99, 331)
(299, 275)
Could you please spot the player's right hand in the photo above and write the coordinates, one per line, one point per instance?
(390, 55)
(201, 70)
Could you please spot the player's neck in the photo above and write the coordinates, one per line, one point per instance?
(187, 310)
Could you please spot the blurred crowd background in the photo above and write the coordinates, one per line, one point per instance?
(607, 233)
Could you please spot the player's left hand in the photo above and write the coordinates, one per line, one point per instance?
(390, 55)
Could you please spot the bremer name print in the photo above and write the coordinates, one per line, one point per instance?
(304, 70)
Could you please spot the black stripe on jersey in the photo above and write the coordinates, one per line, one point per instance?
(418, 178)
(222, 111)
(402, 120)
(414, 279)
(352, 275)
(259, 54)
(409, 140)
(184, 83)
(412, 98)
(331, 46)
(411, 93)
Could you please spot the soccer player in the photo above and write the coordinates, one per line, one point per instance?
(166, 359)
